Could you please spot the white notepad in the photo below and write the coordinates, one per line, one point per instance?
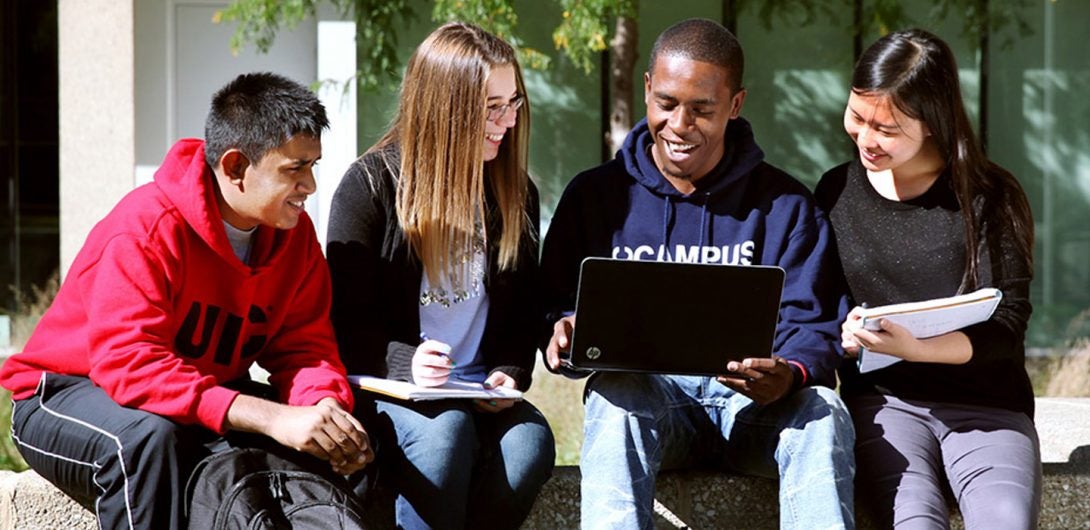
(928, 318)
(452, 389)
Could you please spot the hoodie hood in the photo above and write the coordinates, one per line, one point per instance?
(740, 156)
(688, 223)
(188, 183)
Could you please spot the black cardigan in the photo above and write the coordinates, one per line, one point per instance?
(376, 281)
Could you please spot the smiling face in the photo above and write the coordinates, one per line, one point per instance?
(688, 106)
(887, 139)
(272, 191)
(501, 90)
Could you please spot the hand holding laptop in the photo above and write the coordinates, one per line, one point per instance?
(560, 341)
(763, 379)
(670, 318)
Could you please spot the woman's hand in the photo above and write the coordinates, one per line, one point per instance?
(848, 341)
(890, 339)
(496, 379)
(893, 339)
(432, 363)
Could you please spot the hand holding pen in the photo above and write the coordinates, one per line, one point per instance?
(431, 362)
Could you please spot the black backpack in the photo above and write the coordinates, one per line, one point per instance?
(257, 489)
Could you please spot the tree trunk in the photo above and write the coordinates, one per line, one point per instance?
(623, 54)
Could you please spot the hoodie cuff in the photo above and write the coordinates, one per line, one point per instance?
(212, 407)
(801, 376)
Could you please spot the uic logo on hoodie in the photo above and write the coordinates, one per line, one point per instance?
(228, 337)
(736, 254)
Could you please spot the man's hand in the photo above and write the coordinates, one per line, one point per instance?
(324, 430)
(764, 379)
(560, 341)
(496, 379)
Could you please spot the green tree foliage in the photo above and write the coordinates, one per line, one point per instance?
(587, 27)
(496, 16)
(886, 16)
(376, 29)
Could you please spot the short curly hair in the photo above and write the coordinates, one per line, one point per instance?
(701, 40)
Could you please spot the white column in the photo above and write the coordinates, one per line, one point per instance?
(336, 67)
(96, 100)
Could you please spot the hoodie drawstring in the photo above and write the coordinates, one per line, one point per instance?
(703, 219)
(666, 221)
(667, 204)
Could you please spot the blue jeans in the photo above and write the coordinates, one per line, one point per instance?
(639, 424)
(453, 466)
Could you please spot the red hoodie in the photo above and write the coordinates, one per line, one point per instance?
(157, 310)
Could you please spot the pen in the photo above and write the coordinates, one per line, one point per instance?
(424, 338)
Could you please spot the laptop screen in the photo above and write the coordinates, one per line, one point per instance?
(678, 318)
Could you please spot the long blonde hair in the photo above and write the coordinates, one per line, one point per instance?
(439, 128)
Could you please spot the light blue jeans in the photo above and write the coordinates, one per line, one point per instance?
(453, 466)
(639, 424)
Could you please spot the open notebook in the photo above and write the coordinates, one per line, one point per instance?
(928, 318)
(450, 390)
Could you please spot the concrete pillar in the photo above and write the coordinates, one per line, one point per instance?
(97, 153)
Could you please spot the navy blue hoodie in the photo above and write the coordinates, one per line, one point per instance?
(744, 212)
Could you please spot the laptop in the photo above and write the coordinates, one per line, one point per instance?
(672, 318)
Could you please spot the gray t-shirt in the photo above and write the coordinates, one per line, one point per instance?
(457, 315)
(241, 241)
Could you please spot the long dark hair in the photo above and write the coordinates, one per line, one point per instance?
(918, 73)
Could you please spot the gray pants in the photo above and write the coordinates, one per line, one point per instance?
(906, 452)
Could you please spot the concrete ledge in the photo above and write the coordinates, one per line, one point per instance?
(29, 502)
(714, 500)
(696, 499)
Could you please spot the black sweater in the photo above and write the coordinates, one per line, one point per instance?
(905, 251)
(376, 281)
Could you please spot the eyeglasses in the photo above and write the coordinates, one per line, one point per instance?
(498, 111)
